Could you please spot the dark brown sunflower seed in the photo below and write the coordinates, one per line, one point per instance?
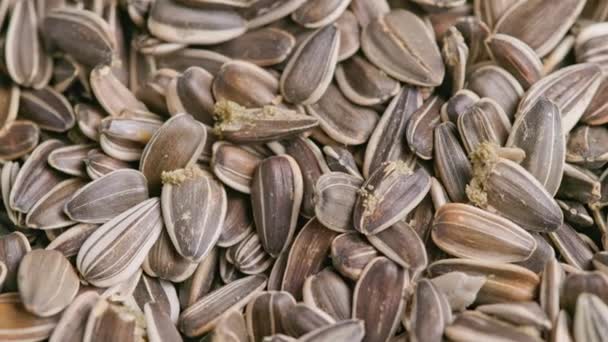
(579, 283)
(430, 312)
(191, 93)
(48, 108)
(363, 83)
(329, 292)
(401, 244)
(579, 184)
(335, 196)
(164, 262)
(571, 247)
(70, 159)
(597, 110)
(70, 241)
(421, 125)
(516, 57)
(302, 319)
(266, 314)
(13, 247)
(340, 159)
(201, 282)
(48, 211)
(402, 45)
(263, 47)
(347, 330)
(458, 104)
(350, 253)
(455, 54)
(149, 290)
(246, 84)
(586, 146)
(482, 122)
(248, 256)
(234, 166)
(239, 220)
(379, 298)
(451, 162)
(318, 13)
(18, 138)
(496, 83)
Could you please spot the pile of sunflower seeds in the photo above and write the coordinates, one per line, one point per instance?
(303, 170)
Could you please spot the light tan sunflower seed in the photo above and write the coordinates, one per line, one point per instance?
(264, 47)
(276, 215)
(379, 298)
(538, 132)
(506, 188)
(47, 282)
(132, 233)
(18, 138)
(191, 93)
(318, 13)
(390, 193)
(469, 232)
(158, 324)
(363, 83)
(504, 282)
(48, 108)
(341, 120)
(387, 142)
(13, 247)
(150, 290)
(102, 199)
(302, 319)
(70, 159)
(48, 211)
(401, 244)
(350, 35)
(70, 241)
(460, 289)
(350, 253)
(571, 247)
(164, 262)
(112, 95)
(571, 89)
(195, 225)
(496, 83)
(476, 326)
(259, 125)
(561, 331)
(452, 165)
(113, 322)
(430, 313)
(306, 256)
(202, 316)
(231, 328)
(347, 330)
(164, 152)
(35, 178)
(234, 166)
(23, 325)
(82, 34)
(585, 147)
(311, 67)
(73, 321)
(541, 35)
(516, 57)
(266, 314)
(522, 313)
(329, 292)
(335, 196)
(246, 84)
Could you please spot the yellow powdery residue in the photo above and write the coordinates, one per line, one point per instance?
(177, 177)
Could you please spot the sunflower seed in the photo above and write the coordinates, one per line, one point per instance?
(490, 11)
(517, 58)
(158, 324)
(327, 291)
(335, 196)
(452, 165)
(149, 290)
(73, 321)
(350, 35)
(363, 83)
(420, 127)
(164, 262)
(272, 307)
(47, 108)
(9, 102)
(585, 146)
(69, 159)
(590, 318)
(112, 95)
(458, 104)
(430, 313)
(347, 330)
(496, 83)
(23, 325)
(571, 247)
(579, 184)
(455, 53)
(47, 212)
(264, 47)
(596, 112)
(18, 138)
(302, 319)
(246, 84)
(231, 327)
(350, 253)
(483, 122)
(366, 11)
(474, 326)
(318, 13)
(108, 321)
(401, 244)
(459, 289)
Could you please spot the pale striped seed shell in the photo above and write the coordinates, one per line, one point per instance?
(259, 125)
(401, 244)
(191, 93)
(175, 22)
(451, 162)
(420, 127)
(402, 45)
(496, 83)
(504, 282)
(585, 147)
(248, 256)
(47, 108)
(350, 253)
(202, 316)
(264, 47)
(342, 120)
(111, 94)
(571, 247)
(347, 330)
(430, 313)
(264, 12)
(70, 241)
(194, 207)
(476, 326)
(329, 292)
(318, 13)
(201, 282)
(379, 298)
(526, 21)
(13, 247)
(70, 159)
(230, 328)
(47, 212)
(149, 290)
(460, 289)
(159, 327)
(571, 89)
(350, 35)
(266, 314)
(276, 205)
(387, 142)
(47, 282)
(73, 320)
(23, 325)
(363, 83)
(234, 166)
(238, 223)
(311, 67)
(590, 319)
(118, 248)
(165, 152)
(465, 231)
(516, 57)
(113, 322)
(102, 199)
(388, 195)
(35, 178)
(520, 313)
(18, 139)
(88, 118)
(246, 84)
(561, 330)
(164, 262)
(9, 102)
(455, 54)
(82, 34)
(335, 197)
(302, 319)
(590, 45)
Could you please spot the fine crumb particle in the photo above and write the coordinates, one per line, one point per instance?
(370, 201)
(476, 193)
(483, 159)
(399, 166)
(177, 177)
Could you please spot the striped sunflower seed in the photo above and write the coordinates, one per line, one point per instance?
(455, 54)
(401, 244)
(47, 108)
(430, 313)
(201, 281)
(191, 93)
(238, 223)
(48, 211)
(596, 112)
(318, 13)
(451, 162)
(264, 47)
(585, 147)
(70, 159)
(366, 11)
(329, 292)
(164, 262)
(497, 84)
(102, 199)
(350, 253)
(132, 233)
(340, 159)
(350, 35)
(302, 319)
(248, 256)
(490, 11)
(18, 138)
(246, 84)
(23, 325)
(473, 326)
(421, 125)
(402, 33)
(480, 123)
(37, 270)
(458, 104)
(9, 101)
(113, 322)
(231, 327)
(335, 197)
(272, 307)
(111, 94)
(70, 241)
(475, 31)
(523, 313)
(388, 195)
(149, 290)
(158, 324)
(13, 247)
(347, 330)
(234, 165)
(263, 12)
(516, 57)
(72, 324)
(571, 247)
(590, 318)
(195, 225)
